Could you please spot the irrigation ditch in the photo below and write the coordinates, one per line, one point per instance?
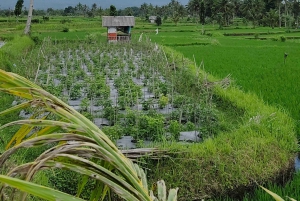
(143, 96)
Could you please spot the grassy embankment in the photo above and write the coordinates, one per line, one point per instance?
(10, 54)
(234, 160)
(256, 66)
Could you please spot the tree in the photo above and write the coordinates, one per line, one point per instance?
(158, 21)
(272, 17)
(193, 8)
(50, 11)
(85, 10)
(253, 10)
(79, 9)
(175, 17)
(69, 10)
(18, 8)
(28, 23)
(112, 10)
(202, 13)
(177, 10)
(78, 145)
(99, 11)
(144, 10)
(128, 11)
(181, 10)
(225, 8)
(94, 9)
(296, 12)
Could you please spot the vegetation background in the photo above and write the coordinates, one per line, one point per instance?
(247, 40)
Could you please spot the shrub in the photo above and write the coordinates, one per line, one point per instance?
(282, 38)
(163, 101)
(158, 21)
(65, 29)
(217, 34)
(175, 128)
(92, 38)
(36, 39)
(35, 21)
(214, 42)
(63, 21)
(45, 18)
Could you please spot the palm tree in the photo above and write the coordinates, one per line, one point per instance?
(28, 24)
(272, 17)
(144, 9)
(225, 8)
(253, 10)
(79, 146)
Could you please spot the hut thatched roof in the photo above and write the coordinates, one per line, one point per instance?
(118, 21)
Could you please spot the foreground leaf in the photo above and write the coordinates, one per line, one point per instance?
(274, 195)
(37, 190)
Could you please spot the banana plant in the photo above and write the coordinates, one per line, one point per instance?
(77, 144)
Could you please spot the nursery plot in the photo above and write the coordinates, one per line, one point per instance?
(128, 90)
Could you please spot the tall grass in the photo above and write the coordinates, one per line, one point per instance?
(291, 189)
(13, 50)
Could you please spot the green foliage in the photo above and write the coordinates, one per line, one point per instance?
(282, 38)
(18, 7)
(10, 52)
(163, 101)
(175, 128)
(256, 128)
(65, 20)
(85, 104)
(158, 21)
(65, 29)
(114, 132)
(112, 10)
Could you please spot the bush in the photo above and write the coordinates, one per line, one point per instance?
(65, 29)
(35, 21)
(36, 39)
(92, 38)
(175, 128)
(63, 21)
(282, 38)
(158, 21)
(215, 42)
(45, 18)
(216, 34)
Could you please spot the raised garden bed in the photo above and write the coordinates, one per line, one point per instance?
(137, 90)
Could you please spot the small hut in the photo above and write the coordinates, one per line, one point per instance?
(152, 19)
(118, 27)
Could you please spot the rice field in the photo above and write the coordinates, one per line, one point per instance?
(256, 66)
